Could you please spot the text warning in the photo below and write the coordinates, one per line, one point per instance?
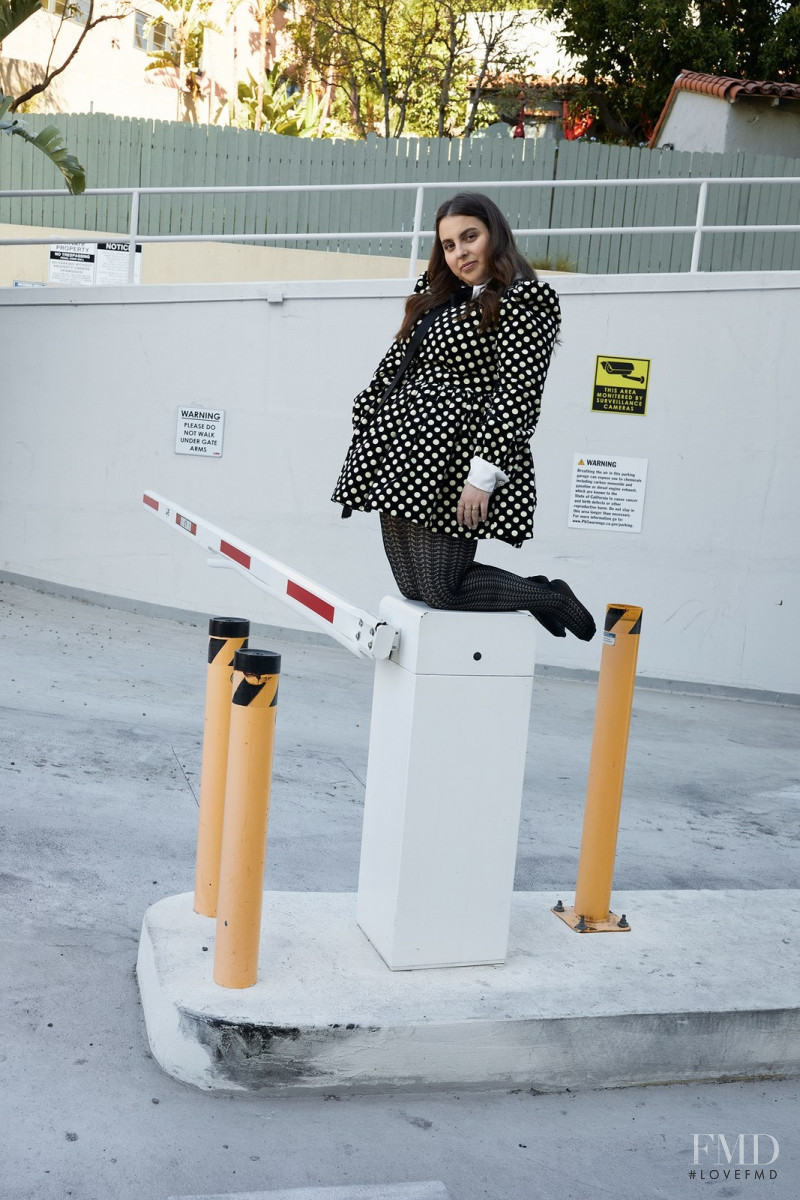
(607, 493)
(200, 432)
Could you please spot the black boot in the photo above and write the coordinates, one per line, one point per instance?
(582, 625)
(558, 608)
(550, 623)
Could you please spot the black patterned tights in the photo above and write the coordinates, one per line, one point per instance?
(440, 570)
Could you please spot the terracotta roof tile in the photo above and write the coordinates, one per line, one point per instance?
(728, 88)
(724, 87)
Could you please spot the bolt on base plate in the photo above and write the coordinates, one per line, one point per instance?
(612, 924)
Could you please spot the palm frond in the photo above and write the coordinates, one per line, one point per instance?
(50, 142)
(13, 13)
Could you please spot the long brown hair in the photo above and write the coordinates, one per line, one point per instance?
(505, 263)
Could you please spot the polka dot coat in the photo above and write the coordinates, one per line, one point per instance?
(465, 393)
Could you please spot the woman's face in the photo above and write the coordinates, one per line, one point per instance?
(465, 242)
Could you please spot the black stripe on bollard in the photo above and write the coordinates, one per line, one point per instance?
(226, 635)
(244, 840)
(220, 629)
(636, 627)
(612, 616)
(246, 692)
(258, 667)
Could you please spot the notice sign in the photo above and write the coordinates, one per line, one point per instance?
(200, 432)
(89, 264)
(111, 263)
(72, 263)
(607, 493)
(620, 384)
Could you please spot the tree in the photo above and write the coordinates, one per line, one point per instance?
(269, 104)
(263, 11)
(10, 11)
(472, 57)
(495, 53)
(629, 54)
(400, 65)
(189, 22)
(12, 14)
(780, 56)
(374, 52)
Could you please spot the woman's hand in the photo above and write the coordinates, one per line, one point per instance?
(473, 507)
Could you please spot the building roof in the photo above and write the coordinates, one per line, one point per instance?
(724, 87)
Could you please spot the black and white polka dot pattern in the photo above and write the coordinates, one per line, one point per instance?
(466, 393)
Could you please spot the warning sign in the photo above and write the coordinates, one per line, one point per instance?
(607, 493)
(93, 263)
(620, 384)
(112, 263)
(72, 263)
(200, 432)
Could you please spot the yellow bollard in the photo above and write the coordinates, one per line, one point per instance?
(244, 834)
(591, 911)
(226, 635)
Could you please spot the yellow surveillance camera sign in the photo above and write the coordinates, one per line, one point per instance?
(620, 384)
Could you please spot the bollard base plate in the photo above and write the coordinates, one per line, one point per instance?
(611, 924)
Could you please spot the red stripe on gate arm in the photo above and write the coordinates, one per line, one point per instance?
(310, 600)
(236, 554)
(149, 500)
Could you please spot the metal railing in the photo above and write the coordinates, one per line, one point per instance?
(416, 233)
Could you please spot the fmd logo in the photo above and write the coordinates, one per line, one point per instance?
(735, 1156)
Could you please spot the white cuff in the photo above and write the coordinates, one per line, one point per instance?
(484, 475)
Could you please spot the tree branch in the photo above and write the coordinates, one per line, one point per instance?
(51, 75)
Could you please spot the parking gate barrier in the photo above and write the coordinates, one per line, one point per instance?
(442, 807)
(357, 629)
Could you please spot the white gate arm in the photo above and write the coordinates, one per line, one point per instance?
(359, 631)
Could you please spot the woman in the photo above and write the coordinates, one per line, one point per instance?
(441, 443)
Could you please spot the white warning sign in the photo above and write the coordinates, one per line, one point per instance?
(200, 431)
(112, 263)
(72, 263)
(607, 493)
(92, 264)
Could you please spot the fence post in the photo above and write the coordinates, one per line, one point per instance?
(415, 240)
(591, 911)
(226, 635)
(133, 231)
(244, 832)
(700, 217)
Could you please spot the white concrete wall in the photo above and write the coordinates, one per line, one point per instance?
(709, 124)
(754, 127)
(92, 380)
(200, 262)
(695, 122)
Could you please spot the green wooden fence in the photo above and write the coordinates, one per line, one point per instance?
(124, 152)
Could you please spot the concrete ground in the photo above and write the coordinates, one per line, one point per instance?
(100, 757)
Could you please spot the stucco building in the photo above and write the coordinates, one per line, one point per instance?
(718, 114)
(108, 73)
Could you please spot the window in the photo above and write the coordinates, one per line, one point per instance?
(74, 10)
(154, 39)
